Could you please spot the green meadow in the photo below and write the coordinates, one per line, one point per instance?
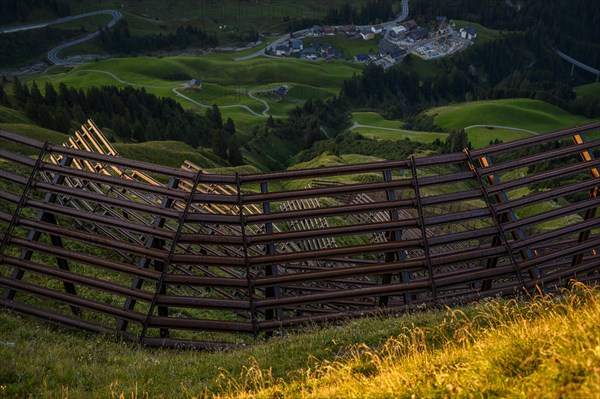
(533, 115)
(376, 127)
(484, 34)
(375, 119)
(590, 89)
(380, 134)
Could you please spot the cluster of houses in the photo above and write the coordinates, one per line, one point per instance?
(309, 52)
(468, 32)
(351, 31)
(392, 46)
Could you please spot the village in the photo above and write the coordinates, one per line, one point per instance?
(395, 42)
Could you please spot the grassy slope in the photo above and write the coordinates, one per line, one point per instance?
(168, 153)
(590, 89)
(484, 34)
(226, 81)
(499, 349)
(379, 134)
(375, 119)
(350, 47)
(544, 348)
(533, 115)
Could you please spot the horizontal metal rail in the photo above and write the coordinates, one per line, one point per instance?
(102, 243)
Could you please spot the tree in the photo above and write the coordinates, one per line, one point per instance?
(3, 96)
(457, 141)
(214, 116)
(219, 144)
(36, 95)
(50, 94)
(234, 155)
(20, 90)
(229, 126)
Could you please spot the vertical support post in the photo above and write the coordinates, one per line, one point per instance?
(400, 255)
(586, 156)
(23, 198)
(144, 262)
(423, 229)
(500, 238)
(249, 278)
(34, 235)
(270, 270)
(160, 288)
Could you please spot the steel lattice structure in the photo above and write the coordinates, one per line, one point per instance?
(168, 256)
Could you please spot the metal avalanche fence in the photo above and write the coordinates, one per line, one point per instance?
(181, 257)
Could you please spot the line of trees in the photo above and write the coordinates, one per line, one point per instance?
(31, 45)
(131, 114)
(12, 11)
(118, 39)
(515, 65)
(225, 143)
(374, 11)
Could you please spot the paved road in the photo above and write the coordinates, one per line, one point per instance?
(267, 107)
(115, 14)
(387, 25)
(177, 93)
(53, 54)
(503, 127)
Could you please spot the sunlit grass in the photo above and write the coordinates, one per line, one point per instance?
(549, 347)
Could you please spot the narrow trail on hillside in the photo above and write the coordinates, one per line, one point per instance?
(267, 107)
(250, 110)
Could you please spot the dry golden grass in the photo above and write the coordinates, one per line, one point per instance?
(548, 347)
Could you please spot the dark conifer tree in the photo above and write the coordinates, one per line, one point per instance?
(214, 116)
(219, 144)
(229, 126)
(234, 155)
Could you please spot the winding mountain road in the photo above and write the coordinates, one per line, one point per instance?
(53, 54)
